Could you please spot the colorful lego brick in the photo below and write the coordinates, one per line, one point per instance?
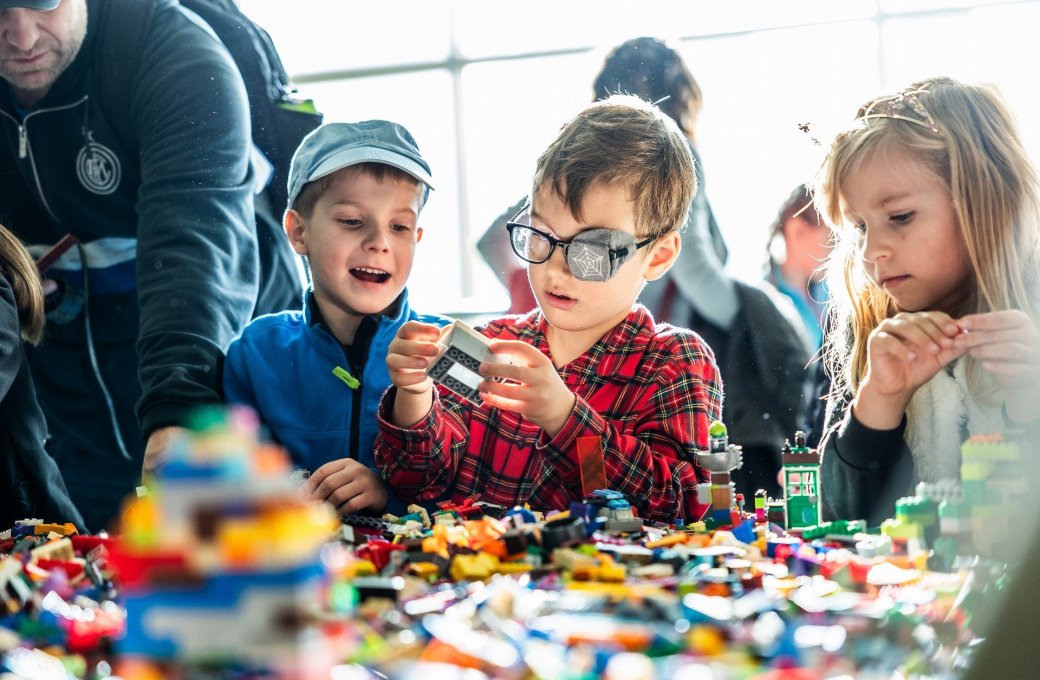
(760, 505)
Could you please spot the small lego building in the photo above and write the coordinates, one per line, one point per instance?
(801, 477)
(720, 460)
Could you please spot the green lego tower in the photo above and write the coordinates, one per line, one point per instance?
(801, 483)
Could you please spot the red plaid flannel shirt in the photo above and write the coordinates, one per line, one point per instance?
(648, 393)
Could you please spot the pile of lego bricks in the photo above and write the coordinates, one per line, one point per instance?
(593, 592)
(59, 618)
(224, 571)
(512, 594)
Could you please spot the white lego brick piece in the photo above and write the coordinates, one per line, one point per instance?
(456, 366)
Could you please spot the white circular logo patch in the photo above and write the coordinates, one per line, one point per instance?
(98, 168)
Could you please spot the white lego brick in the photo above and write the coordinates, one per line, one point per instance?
(456, 366)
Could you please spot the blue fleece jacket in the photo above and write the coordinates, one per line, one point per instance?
(282, 367)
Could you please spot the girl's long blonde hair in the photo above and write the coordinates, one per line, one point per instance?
(966, 136)
(19, 268)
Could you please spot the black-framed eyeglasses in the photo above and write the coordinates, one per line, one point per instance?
(593, 255)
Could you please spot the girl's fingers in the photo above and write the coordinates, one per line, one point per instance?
(983, 338)
(996, 321)
(1003, 351)
(887, 343)
(921, 331)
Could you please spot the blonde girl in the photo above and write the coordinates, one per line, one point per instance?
(934, 284)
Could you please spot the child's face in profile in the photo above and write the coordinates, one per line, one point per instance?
(908, 235)
(590, 308)
(360, 242)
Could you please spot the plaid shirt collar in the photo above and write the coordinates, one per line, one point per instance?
(606, 357)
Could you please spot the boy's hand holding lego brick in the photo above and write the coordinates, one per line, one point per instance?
(408, 357)
(348, 485)
(457, 365)
(409, 354)
(527, 384)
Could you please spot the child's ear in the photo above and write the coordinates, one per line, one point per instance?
(296, 230)
(663, 256)
(418, 234)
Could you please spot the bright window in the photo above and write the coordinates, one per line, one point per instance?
(483, 87)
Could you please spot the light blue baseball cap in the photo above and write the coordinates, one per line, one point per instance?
(334, 146)
(38, 5)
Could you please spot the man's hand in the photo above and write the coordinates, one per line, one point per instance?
(533, 388)
(158, 444)
(348, 485)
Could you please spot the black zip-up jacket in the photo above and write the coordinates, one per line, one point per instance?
(29, 479)
(168, 226)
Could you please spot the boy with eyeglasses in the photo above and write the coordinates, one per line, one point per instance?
(593, 392)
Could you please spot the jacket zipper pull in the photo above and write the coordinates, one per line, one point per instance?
(341, 373)
(23, 142)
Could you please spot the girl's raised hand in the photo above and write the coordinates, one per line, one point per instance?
(903, 353)
(533, 389)
(1007, 345)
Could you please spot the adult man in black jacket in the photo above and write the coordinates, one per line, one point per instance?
(165, 218)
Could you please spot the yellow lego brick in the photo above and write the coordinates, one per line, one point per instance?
(66, 529)
(584, 572)
(665, 541)
(616, 591)
(558, 515)
(473, 567)
(359, 568)
(424, 570)
(611, 573)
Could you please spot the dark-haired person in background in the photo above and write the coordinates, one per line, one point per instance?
(759, 345)
(799, 242)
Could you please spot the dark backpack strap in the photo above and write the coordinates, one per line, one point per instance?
(276, 130)
(122, 33)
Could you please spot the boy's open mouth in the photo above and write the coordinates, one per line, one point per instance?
(370, 275)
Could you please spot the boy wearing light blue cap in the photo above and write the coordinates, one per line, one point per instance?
(316, 376)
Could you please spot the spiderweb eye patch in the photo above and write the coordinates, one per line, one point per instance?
(597, 254)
